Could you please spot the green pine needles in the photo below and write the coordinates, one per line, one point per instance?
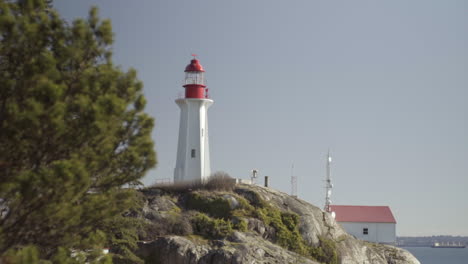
(73, 132)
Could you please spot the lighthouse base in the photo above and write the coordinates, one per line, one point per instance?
(193, 151)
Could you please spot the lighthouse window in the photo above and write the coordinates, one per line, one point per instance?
(193, 153)
(365, 231)
(194, 78)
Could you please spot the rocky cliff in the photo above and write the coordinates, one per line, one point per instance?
(249, 224)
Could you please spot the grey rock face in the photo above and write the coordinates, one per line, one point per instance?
(157, 207)
(247, 249)
(314, 223)
(260, 228)
(233, 203)
(254, 246)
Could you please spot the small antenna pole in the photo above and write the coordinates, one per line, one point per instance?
(328, 184)
(293, 182)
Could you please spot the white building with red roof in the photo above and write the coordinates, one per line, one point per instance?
(370, 223)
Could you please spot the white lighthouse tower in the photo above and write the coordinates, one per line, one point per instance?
(193, 150)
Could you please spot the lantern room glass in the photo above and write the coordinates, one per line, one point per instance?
(195, 78)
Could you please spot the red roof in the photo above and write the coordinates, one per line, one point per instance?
(359, 213)
(194, 66)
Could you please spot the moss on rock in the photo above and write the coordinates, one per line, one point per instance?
(211, 228)
(212, 215)
(286, 226)
(213, 205)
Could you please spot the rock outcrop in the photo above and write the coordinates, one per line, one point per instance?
(244, 235)
(238, 249)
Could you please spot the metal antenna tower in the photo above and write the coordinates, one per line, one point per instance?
(328, 184)
(293, 182)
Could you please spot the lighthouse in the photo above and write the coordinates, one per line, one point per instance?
(193, 149)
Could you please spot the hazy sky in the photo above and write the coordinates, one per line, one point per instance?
(383, 84)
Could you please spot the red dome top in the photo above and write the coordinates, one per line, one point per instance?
(194, 66)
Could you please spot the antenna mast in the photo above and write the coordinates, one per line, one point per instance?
(293, 182)
(328, 184)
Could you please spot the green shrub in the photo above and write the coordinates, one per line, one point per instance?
(27, 254)
(290, 220)
(219, 181)
(174, 224)
(245, 205)
(215, 206)
(326, 251)
(286, 225)
(241, 225)
(211, 228)
(253, 197)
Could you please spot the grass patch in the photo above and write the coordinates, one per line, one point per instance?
(286, 225)
(219, 181)
(200, 240)
(211, 228)
(251, 196)
(326, 252)
(213, 205)
(217, 219)
(241, 225)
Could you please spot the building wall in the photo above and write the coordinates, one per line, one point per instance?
(377, 232)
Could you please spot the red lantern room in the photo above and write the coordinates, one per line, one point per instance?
(194, 80)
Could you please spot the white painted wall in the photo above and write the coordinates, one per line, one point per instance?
(377, 232)
(193, 134)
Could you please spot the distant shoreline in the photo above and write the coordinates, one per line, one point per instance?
(429, 241)
(403, 246)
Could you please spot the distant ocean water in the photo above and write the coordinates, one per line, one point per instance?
(428, 255)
